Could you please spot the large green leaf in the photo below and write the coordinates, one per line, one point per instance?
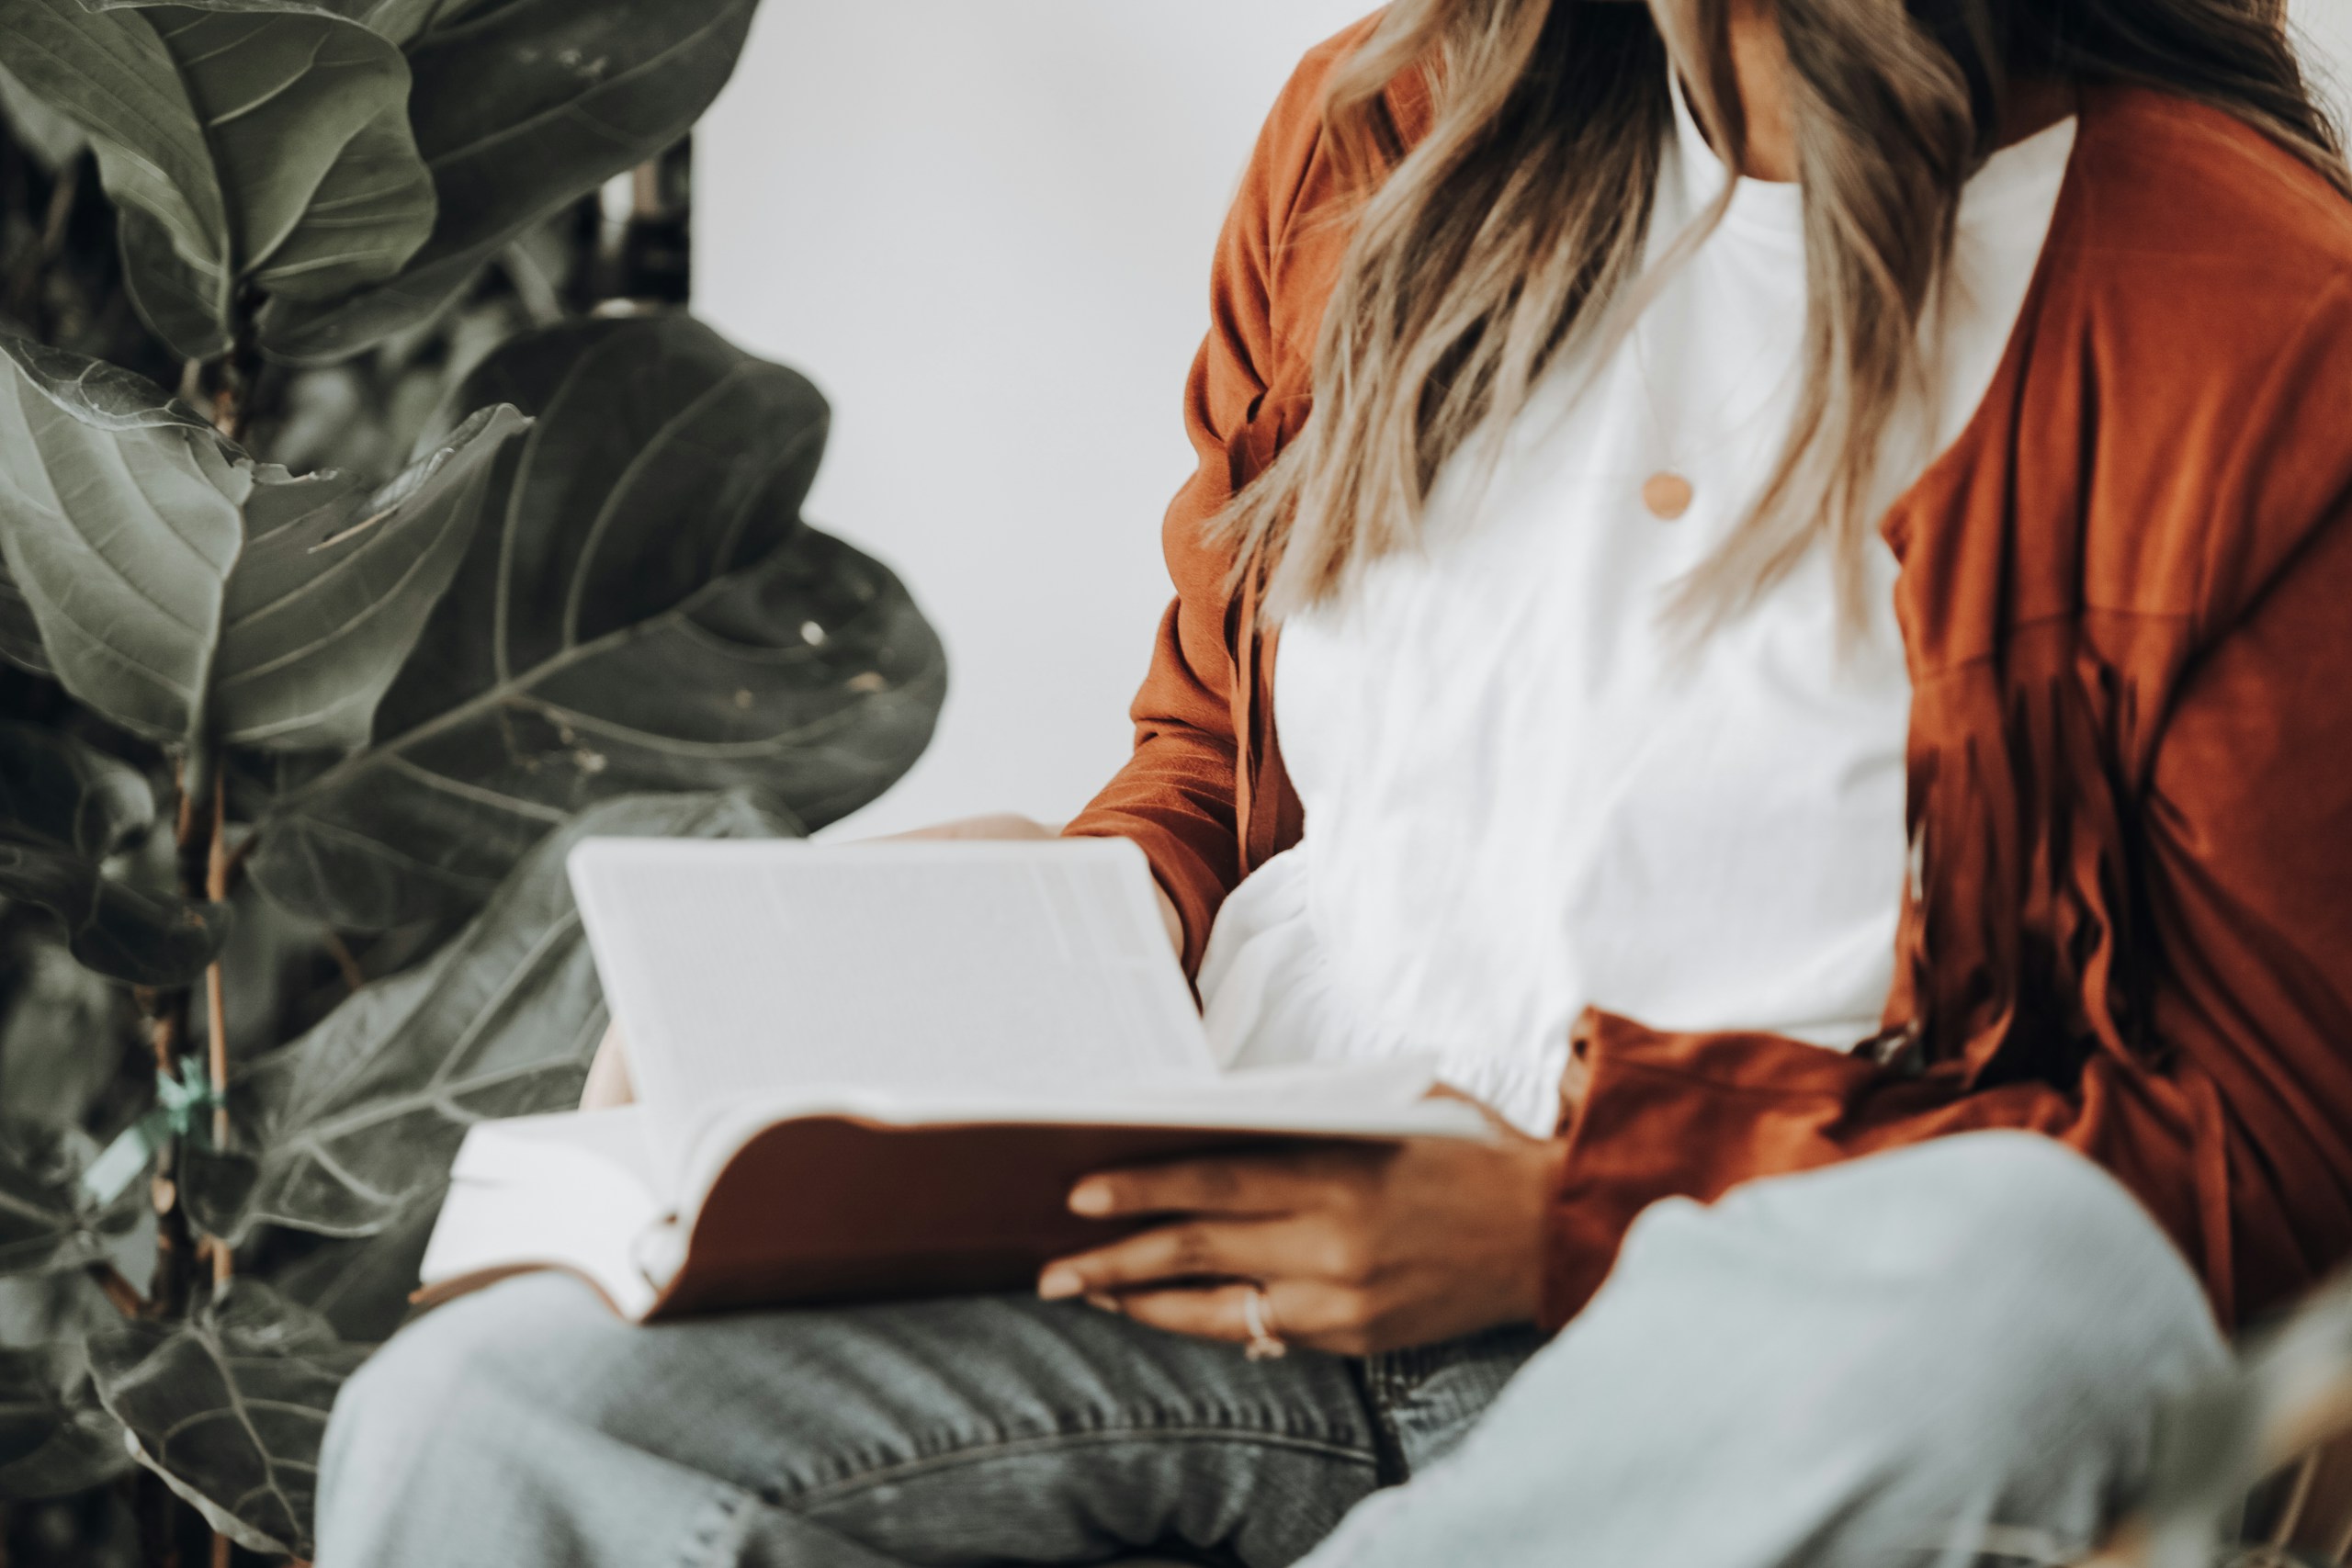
(336, 584)
(188, 593)
(64, 808)
(124, 932)
(357, 1120)
(19, 633)
(519, 107)
(230, 1408)
(61, 792)
(55, 1437)
(178, 306)
(46, 1224)
(129, 612)
(644, 610)
(111, 76)
(61, 1307)
(52, 140)
(399, 20)
(120, 516)
(259, 141)
(361, 1285)
(63, 1036)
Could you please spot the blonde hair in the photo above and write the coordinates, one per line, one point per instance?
(1517, 227)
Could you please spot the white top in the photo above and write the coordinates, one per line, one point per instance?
(1522, 796)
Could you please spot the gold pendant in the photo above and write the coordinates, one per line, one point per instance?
(1667, 495)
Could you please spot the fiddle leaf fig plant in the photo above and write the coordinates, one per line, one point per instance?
(55, 1437)
(66, 810)
(290, 760)
(645, 610)
(228, 1407)
(247, 144)
(198, 598)
(518, 107)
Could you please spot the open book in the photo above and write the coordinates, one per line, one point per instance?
(874, 1070)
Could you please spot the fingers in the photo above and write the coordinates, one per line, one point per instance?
(1299, 1313)
(1001, 825)
(1212, 1312)
(1262, 1184)
(609, 1082)
(1196, 1251)
(1171, 920)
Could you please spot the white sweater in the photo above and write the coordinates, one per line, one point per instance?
(1521, 798)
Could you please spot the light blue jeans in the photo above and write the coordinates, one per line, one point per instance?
(1953, 1354)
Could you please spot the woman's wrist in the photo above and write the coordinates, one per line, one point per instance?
(1170, 919)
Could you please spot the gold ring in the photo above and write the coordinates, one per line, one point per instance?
(1258, 1314)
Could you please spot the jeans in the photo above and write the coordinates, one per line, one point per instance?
(527, 1426)
(1953, 1354)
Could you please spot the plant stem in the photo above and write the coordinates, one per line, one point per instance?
(216, 998)
(240, 371)
(119, 1292)
(355, 978)
(167, 1297)
(167, 1291)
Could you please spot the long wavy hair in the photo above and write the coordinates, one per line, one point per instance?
(1517, 229)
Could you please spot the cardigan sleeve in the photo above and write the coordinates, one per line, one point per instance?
(1177, 795)
(2233, 1128)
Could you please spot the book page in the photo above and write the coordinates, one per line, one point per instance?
(999, 970)
(562, 1191)
(1384, 1100)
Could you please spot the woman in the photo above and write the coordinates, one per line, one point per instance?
(1874, 617)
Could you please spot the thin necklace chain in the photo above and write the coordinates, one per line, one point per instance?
(1664, 429)
(1669, 492)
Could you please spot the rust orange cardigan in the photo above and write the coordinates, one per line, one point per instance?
(2126, 598)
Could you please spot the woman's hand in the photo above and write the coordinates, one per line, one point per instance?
(608, 1081)
(1358, 1249)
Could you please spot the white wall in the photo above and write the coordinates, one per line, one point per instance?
(984, 227)
(2326, 28)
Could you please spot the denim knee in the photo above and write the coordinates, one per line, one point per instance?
(2014, 1235)
(480, 1434)
(2012, 1258)
(1895, 1360)
(412, 1399)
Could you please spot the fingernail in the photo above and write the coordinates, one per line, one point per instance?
(1090, 1198)
(1101, 1303)
(1058, 1284)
